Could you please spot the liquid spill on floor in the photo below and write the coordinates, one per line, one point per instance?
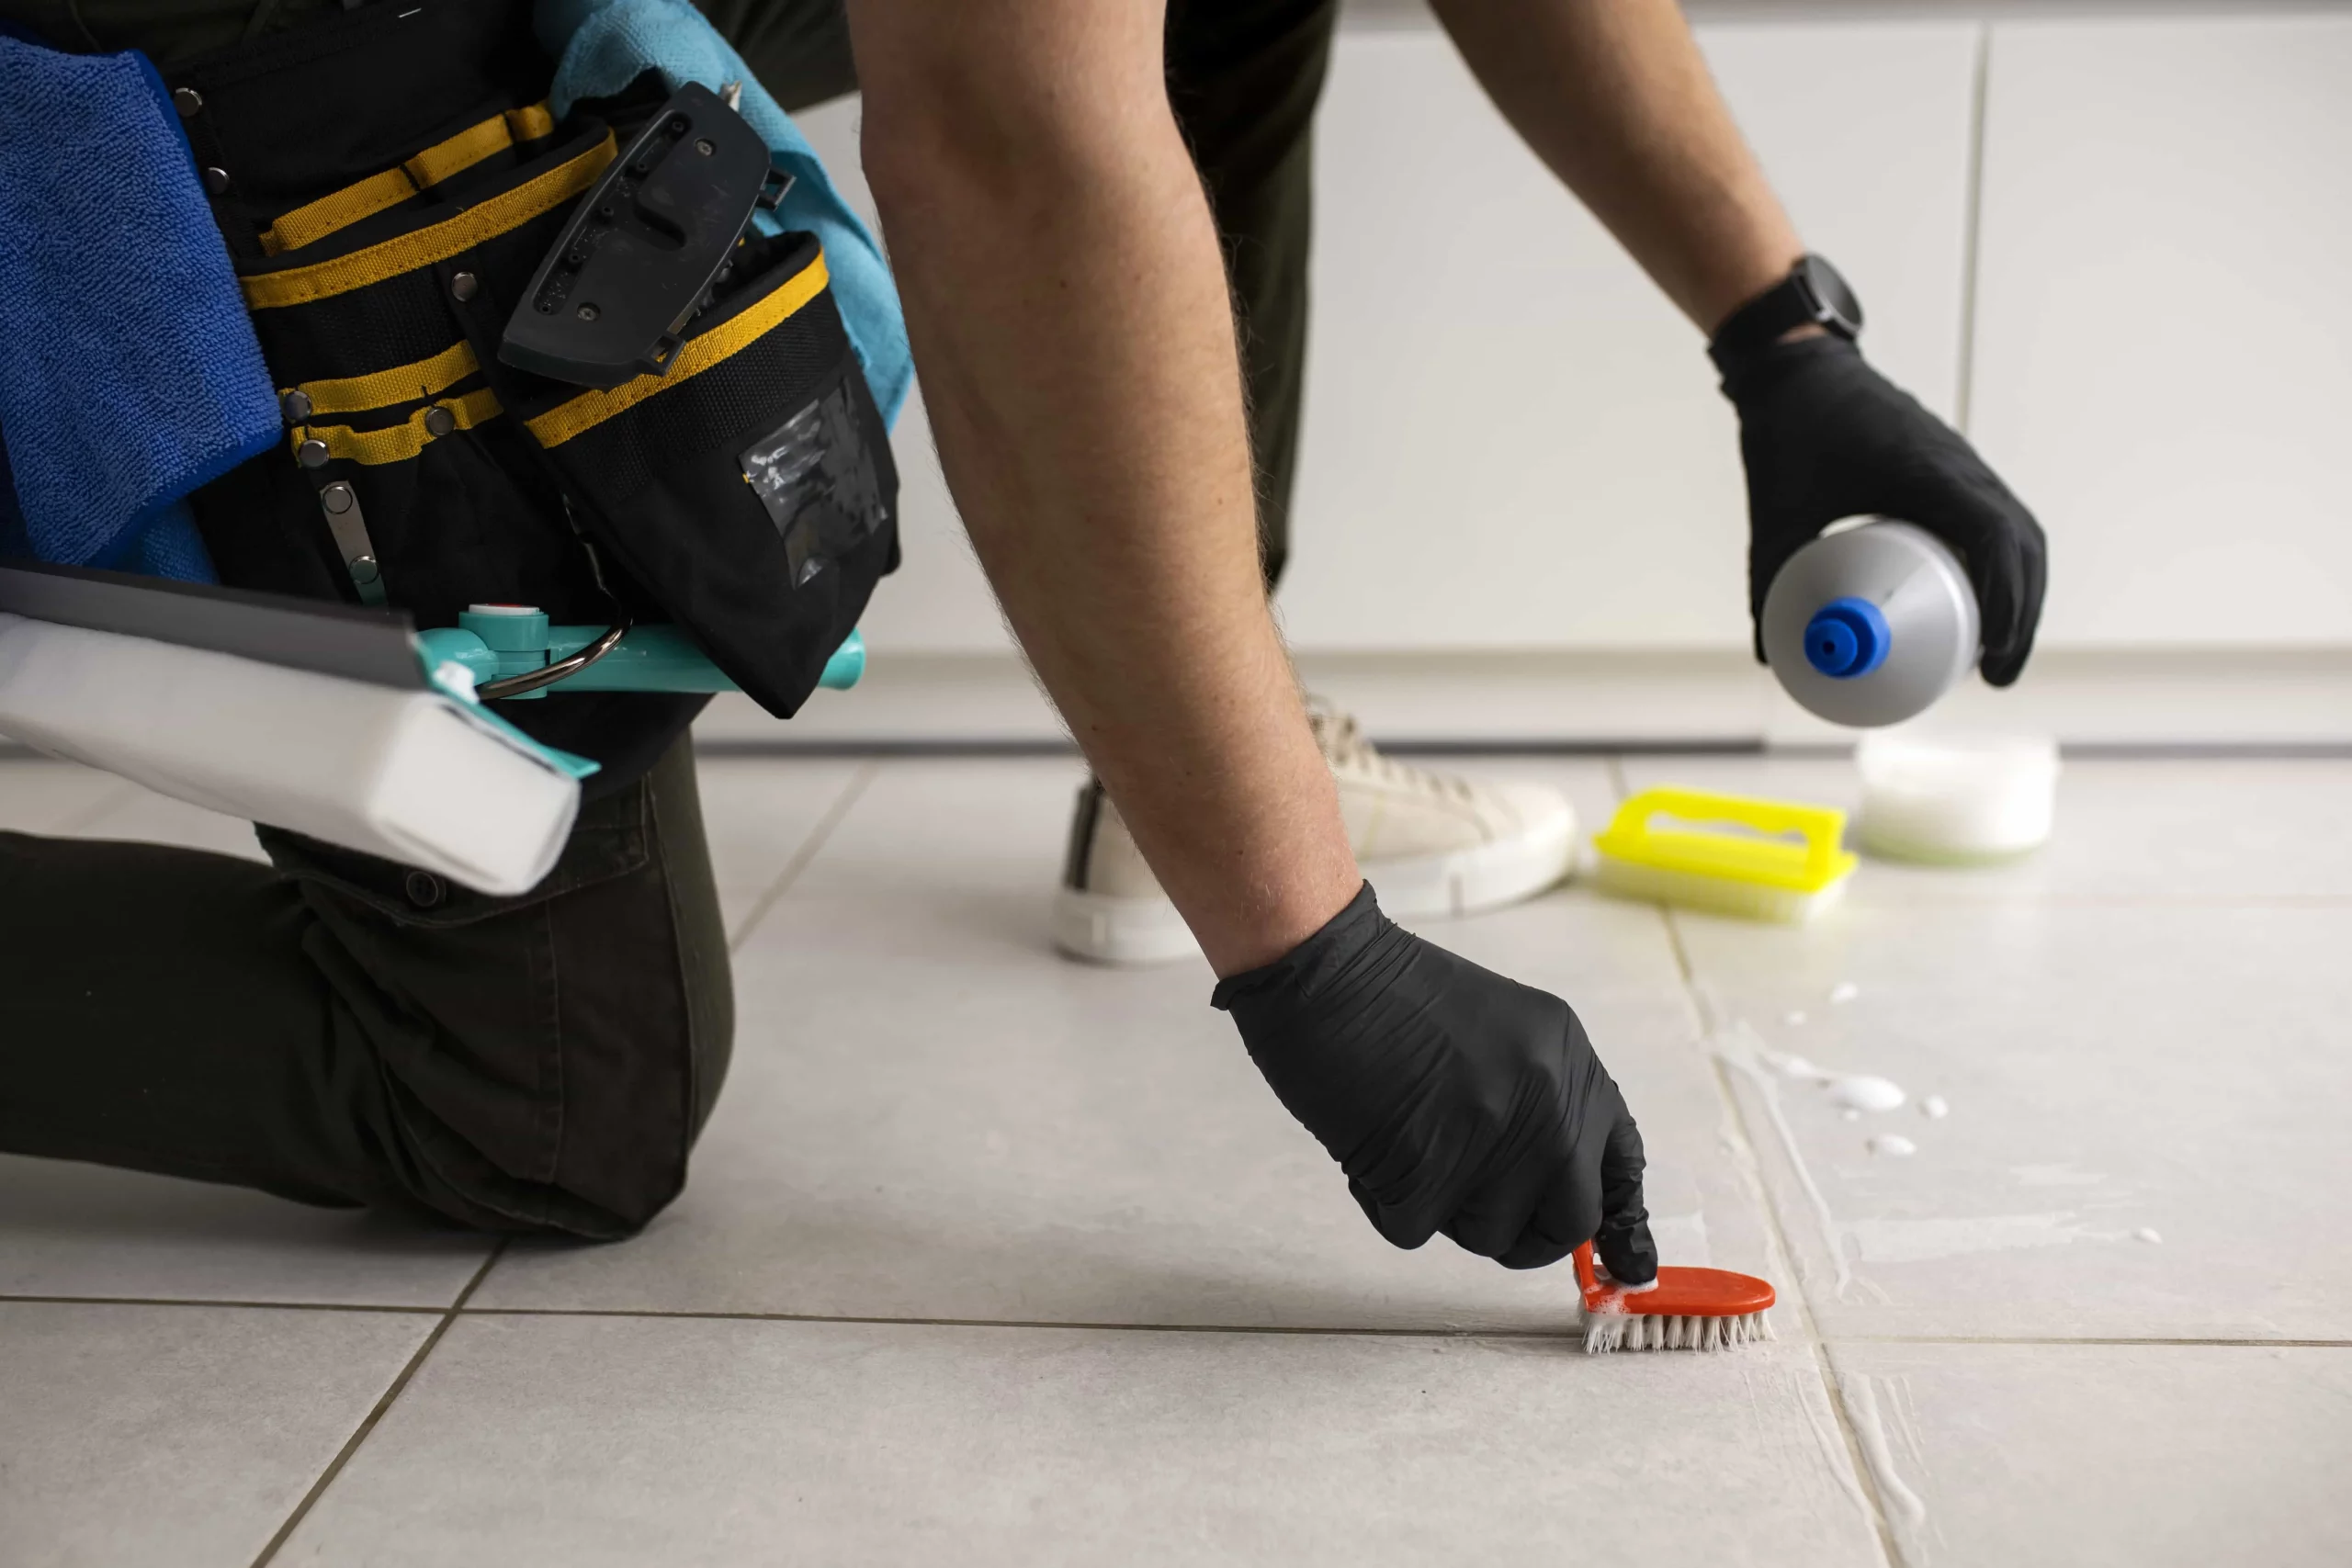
(1855, 1092)
(1739, 1048)
(1904, 1510)
(1892, 1143)
(1874, 1406)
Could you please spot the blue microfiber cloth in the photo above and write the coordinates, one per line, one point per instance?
(129, 370)
(603, 45)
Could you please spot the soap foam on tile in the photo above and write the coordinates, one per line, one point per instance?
(1850, 1092)
(1832, 1444)
(1862, 1091)
(1738, 1047)
(1904, 1510)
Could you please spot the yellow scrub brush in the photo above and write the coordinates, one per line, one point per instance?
(1767, 860)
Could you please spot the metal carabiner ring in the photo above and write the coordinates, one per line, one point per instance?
(532, 679)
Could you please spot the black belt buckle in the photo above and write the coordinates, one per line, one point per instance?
(637, 262)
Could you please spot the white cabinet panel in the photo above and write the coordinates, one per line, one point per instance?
(1511, 439)
(2164, 364)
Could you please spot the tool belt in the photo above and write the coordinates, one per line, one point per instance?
(391, 184)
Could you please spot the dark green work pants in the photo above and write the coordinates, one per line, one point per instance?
(337, 1029)
(340, 1030)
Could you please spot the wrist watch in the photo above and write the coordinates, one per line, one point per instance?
(1814, 294)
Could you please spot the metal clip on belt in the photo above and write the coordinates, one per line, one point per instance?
(510, 651)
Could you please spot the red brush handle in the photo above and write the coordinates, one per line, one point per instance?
(1690, 1293)
(1586, 1282)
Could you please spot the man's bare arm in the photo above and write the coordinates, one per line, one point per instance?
(1614, 95)
(1068, 307)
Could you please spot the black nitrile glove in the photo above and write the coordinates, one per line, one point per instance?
(1455, 1100)
(1826, 436)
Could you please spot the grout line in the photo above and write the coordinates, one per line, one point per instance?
(399, 1385)
(1865, 1476)
(816, 839)
(2184, 1342)
(240, 1305)
(1334, 1330)
(1972, 231)
(1568, 1336)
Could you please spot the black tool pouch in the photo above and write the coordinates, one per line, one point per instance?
(407, 480)
(748, 488)
(745, 494)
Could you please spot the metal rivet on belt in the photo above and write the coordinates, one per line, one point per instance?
(311, 454)
(336, 498)
(464, 287)
(295, 406)
(439, 421)
(215, 180)
(188, 101)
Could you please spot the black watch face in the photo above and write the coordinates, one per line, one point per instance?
(1834, 305)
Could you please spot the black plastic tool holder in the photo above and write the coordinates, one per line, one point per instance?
(637, 260)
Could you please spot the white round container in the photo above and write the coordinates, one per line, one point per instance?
(1955, 800)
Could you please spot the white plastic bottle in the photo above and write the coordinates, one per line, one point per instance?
(1871, 624)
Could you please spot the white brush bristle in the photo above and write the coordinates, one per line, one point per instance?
(1604, 1332)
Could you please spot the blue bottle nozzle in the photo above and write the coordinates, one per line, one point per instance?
(1846, 637)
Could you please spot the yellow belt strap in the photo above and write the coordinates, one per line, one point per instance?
(437, 242)
(401, 384)
(587, 411)
(315, 220)
(398, 442)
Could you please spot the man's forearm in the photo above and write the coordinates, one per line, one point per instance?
(1614, 97)
(1068, 307)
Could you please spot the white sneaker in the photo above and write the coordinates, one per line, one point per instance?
(1429, 844)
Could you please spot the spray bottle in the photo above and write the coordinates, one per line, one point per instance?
(1871, 624)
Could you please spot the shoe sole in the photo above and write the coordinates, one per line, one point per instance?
(1104, 929)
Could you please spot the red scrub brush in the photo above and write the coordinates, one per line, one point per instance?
(1687, 1309)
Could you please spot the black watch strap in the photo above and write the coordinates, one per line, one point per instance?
(1812, 295)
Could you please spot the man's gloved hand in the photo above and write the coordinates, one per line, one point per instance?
(1826, 436)
(1455, 1100)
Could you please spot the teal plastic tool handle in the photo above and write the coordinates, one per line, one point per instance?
(647, 659)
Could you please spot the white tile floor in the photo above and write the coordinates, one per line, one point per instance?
(991, 1258)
